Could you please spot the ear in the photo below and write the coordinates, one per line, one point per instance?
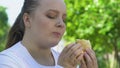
(26, 20)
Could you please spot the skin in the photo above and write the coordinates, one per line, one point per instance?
(44, 28)
(72, 56)
(90, 60)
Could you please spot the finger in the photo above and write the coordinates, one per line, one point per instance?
(63, 53)
(83, 64)
(80, 58)
(77, 61)
(74, 49)
(88, 60)
(66, 49)
(91, 50)
(91, 54)
(77, 54)
(71, 53)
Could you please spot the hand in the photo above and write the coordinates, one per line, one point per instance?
(89, 60)
(71, 56)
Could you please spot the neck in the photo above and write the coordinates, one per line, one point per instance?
(41, 55)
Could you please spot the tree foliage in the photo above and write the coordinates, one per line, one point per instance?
(3, 27)
(98, 21)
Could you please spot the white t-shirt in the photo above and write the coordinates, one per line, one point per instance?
(17, 56)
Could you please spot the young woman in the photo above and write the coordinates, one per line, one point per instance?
(38, 28)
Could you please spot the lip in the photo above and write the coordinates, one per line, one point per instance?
(57, 34)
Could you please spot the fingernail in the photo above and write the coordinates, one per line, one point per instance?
(82, 52)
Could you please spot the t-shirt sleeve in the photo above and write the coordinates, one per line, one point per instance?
(7, 62)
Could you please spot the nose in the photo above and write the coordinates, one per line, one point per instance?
(60, 23)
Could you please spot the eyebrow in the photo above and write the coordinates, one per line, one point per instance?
(53, 10)
(56, 11)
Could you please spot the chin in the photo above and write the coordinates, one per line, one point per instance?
(54, 43)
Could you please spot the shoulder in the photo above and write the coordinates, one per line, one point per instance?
(9, 58)
(7, 61)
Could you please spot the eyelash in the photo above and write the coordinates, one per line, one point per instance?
(53, 17)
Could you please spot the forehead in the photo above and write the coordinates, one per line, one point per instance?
(53, 4)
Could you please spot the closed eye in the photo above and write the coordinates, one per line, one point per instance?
(51, 16)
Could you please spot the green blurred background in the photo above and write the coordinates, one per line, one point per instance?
(96, 20)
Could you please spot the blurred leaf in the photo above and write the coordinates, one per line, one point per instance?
(98, 21)
(3, 27)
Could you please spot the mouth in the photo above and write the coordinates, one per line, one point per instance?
(57, 34)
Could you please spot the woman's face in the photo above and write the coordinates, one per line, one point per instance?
(47, 23)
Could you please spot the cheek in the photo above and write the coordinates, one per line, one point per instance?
(64, 31)
(64, 28)
(42, 26)
(40, 29)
